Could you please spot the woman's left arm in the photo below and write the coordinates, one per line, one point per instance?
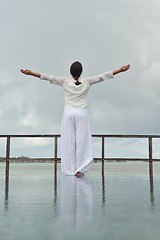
(121, 69)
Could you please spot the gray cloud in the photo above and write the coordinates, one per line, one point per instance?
(47, 36)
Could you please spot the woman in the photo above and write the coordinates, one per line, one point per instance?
(76, 140)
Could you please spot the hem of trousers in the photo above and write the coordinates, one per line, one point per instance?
(84, 169)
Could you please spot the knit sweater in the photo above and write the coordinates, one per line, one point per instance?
(76, 95)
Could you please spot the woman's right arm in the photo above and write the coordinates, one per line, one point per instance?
(29, 72)
(52, 79)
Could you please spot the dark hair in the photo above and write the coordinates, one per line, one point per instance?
(76, 69)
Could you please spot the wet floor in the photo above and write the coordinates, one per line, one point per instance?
(125, 204)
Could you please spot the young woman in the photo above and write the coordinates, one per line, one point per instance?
(76, 140)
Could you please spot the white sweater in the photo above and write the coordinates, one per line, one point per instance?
(76, 95)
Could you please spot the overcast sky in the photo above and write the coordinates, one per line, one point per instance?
(47, 36)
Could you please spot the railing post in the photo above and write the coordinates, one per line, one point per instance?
(102, 155)
(7, 155)
(55, 155)
(150, 158)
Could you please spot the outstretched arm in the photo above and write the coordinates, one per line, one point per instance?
(121, 69)
(29, 72)
(52, 79)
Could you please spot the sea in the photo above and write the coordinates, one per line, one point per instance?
(123, 204)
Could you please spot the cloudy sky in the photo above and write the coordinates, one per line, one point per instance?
(47, 36)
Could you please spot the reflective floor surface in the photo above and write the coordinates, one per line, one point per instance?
(123, 205)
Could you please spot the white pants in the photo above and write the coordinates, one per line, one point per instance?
(76, 142)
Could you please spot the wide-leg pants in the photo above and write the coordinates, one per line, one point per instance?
(76, 142)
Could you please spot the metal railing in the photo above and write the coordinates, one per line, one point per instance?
(102, 158)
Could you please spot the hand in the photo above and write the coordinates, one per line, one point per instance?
(26, 71)
(124, 68)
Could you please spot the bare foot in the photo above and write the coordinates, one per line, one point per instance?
(79, 174)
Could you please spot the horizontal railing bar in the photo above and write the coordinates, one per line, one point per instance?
(93, 135)
(127, 159)
(30, 135)
(125, 136)
(94, 159)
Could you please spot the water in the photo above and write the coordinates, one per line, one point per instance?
(123, 205)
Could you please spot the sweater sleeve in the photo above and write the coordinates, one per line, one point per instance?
(100, 78)
(52, 79)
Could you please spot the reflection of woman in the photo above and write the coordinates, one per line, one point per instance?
(76, 145)
(76, 200)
